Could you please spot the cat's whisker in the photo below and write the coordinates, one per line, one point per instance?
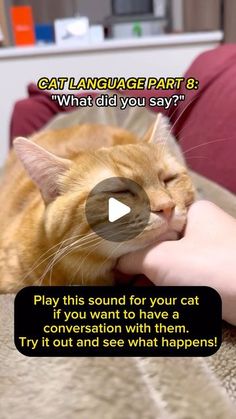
(184, 110)
(50, 249)
(83, 261)
(61, 256)
(34, 267)
(103, 263)
(180, 139)
(204, 144)
(70, 245)
(186, 107)
(65, 252)
(112, 253)
(197, 157)
(100, 266)
(50, 256)
(50, 279)
(178, 135)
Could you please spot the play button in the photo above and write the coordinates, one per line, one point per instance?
(117, 209)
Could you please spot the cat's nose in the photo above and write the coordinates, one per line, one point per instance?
(161, 203)
(165, 209)
(166, 212)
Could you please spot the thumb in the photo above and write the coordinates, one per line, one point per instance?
(154, 262)
(132, 263)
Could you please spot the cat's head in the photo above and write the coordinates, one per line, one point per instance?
(65, 186)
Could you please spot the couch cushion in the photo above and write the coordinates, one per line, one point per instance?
(31, 114)
(205, 124)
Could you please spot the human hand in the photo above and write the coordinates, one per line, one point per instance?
(206, 255)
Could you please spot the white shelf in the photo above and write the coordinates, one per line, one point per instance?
(113, 44)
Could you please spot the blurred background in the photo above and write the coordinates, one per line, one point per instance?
(111, 19)
(111, 38)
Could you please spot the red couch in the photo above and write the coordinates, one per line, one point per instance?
(204, 124)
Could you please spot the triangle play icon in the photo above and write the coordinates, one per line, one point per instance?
(117, 210)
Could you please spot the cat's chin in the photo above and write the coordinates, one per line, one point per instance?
(152, 238)
(147, 238)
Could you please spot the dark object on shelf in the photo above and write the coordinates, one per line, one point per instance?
(133, 18)
(135, 26)
(44, 33)
(131, 7)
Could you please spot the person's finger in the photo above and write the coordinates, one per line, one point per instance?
(152, 261)
(161, 260)
(132, 263)
(203, 217)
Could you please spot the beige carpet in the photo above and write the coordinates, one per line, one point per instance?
(114, 388)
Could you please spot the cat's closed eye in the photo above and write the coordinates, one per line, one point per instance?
(170, 178)
(123, 192)
(115, 188)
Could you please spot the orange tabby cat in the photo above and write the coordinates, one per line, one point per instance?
(45, 236)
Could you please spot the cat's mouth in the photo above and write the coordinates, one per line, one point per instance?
(150, 237)
(161, 228)
(158, 229)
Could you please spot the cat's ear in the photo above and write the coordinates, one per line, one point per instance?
(159, 132)
(43, 167)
